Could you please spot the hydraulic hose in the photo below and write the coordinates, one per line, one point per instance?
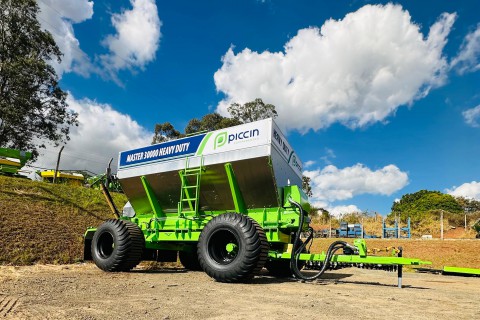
(298, 247)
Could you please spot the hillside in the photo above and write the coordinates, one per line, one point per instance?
(44, 223)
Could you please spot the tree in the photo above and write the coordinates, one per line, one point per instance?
(323, 213)
(424, 202)
(165, 132)
(468, 205)
(306, 186)
(209, 122)
(33, 107)
(252, 111)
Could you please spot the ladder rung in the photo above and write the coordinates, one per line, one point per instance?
(190, 174)
(190, 184)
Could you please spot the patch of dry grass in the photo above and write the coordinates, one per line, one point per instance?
(45, 223)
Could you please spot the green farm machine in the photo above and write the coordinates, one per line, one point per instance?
(12, 161)
(104, 181)
(228, 202)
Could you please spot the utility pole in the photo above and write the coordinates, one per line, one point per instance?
(58, 163)
(441, 224)
(398, 227)
(362, 228)
(330, 232)
(467, 211)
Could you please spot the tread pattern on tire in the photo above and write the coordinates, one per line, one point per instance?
(251, 258)
(129, 243)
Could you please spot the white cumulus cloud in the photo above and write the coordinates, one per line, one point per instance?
(334, 210)
(331, 183)
(338, 211)
(309, 163)
(355, 71)
(472, 116)
(102, 133)
(467, 190)
(58, 17)
(329, 156)
(136, 39)
(468, 58)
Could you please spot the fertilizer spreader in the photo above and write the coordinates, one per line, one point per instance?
(228, 202)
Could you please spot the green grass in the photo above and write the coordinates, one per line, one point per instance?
(45, 223)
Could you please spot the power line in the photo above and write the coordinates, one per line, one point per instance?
(98, 156)
(85, 159)
(59, 13)
(36, 167)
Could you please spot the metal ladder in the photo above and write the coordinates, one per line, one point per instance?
(190, 193)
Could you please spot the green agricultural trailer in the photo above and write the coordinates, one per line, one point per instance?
(12, 160)
(228, 202)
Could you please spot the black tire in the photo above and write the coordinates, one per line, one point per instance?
(232, 248)
(280, 268)
(190, 260)
(117, 245)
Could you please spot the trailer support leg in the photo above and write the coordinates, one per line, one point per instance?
(400, 268)
(110, 202)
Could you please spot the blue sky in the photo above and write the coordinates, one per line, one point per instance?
(378, 99)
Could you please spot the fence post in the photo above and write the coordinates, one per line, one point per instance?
(58, 163)
(441, 224)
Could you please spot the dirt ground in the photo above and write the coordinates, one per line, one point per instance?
(82, 291)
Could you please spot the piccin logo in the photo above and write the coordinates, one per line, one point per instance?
(220, 140)
(223, 138)
(296, 164)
